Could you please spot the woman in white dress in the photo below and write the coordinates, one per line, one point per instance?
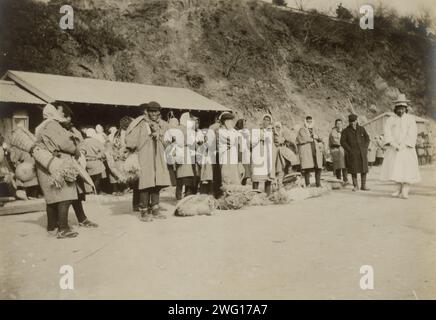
(400, 163)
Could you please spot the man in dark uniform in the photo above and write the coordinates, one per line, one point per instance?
(355, 141)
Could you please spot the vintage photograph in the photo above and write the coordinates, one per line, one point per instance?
(217, 150)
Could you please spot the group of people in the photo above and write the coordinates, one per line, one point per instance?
(189, 162)
(349, 149)
(424, 149)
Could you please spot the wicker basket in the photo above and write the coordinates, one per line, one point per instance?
(23, 139)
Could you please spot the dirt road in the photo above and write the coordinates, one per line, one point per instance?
(308, 249)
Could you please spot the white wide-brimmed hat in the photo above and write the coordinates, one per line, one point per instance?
(401, 101)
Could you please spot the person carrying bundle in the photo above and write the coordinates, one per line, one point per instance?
(146, 136)
(53, 137)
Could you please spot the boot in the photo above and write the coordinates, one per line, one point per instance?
(318, 178)
(363, 178)
(155, 211)
(268, 188)
(405, 191)
(307, 178)
(355, 184)
(399, 190)
(145, 215)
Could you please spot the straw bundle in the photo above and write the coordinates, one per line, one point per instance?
(114, 168)
(236, 197)
(61, 170)
(23, 139)
(199, 204)
(130, 167)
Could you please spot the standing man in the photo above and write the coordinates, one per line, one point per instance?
(146, 135)
(337, 152)
(401, 162)
(310, 149)
(355, 141)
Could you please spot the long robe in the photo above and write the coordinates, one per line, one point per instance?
(336, 150)
(93, 150)
(355, 143)
(400, 165)
(228, 148)
(310, 150)
(151, 152)
(263, 155)
(53, 137)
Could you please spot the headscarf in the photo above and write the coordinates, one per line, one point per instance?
(49, 113)
(184, 119)
(99, 128)
(90, 133)
(278, 124)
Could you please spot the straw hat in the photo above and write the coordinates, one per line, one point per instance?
(401, 101)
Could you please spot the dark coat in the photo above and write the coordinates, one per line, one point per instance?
(355, 144)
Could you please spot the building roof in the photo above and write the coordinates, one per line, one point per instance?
(52, 88)
(389, 114)
(10, 92)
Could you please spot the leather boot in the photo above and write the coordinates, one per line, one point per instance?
(307, 178)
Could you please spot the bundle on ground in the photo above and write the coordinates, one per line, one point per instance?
(193, 205)
(334, 183)
(235, 197)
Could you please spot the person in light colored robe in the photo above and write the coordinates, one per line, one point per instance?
(400, 163)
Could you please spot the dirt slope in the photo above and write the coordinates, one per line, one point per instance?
(248, 55)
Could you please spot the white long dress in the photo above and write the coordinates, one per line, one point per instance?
(400, 166)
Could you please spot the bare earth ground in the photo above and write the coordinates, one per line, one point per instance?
(307, 249)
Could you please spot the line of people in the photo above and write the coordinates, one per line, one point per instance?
(264, 156)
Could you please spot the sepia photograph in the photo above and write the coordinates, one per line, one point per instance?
(217, 150)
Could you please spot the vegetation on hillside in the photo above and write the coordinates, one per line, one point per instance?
(249, 55)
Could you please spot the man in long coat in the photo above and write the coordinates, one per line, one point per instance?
(146, 136)
(310, 150)
(53, 137)
(355, 141)
(337, 152)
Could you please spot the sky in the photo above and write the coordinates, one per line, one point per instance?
(404, 7)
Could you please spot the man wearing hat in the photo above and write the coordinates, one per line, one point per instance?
(401, 162)
(355, 141)
(145, 135)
